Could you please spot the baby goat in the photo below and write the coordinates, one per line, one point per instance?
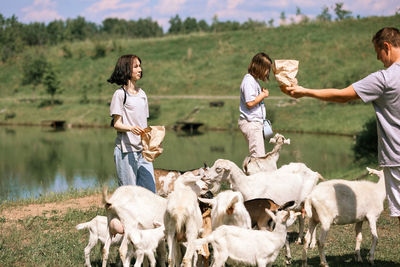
(145, 242)
(98, 232)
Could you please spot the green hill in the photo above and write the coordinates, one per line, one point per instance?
(331, 54)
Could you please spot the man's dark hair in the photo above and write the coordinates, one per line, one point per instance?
(260, 63)
(388, 34)
(123, 70)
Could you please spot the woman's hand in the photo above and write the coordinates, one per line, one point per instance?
(264, 93)
(137, 130)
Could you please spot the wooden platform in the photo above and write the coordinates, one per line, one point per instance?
(57, 124)
(187, 126)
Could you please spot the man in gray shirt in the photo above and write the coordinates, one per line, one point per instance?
(382, 88)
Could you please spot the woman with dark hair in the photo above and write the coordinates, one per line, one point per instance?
(129, 109)
(252, 109)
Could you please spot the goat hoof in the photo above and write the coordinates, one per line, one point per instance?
(370, 259)
(288, 260)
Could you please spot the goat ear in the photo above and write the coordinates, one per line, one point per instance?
(287, 141)
(231, 207)
(287, 205)
(272, 140)
(157, 224)
(235, 199)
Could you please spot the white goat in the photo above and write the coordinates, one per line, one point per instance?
(228, 208)
(165, 179)
(145, 242)
(290, 182)
(251, 247)
(252, 165)
(98, 231)
(183, 218)
(132, 207)
(344, 202)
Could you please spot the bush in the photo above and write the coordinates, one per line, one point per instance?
(366, 146)
(67, 51)
(34, 70)
(51, 82)
(100, 50)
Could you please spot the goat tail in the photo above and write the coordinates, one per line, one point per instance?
(321, 178)
(307, 206)
(106, 200)
(82, 226)
(180, 218)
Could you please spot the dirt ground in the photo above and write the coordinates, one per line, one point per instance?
(45, 209)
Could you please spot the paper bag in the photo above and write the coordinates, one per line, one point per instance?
(285, 71)
(151, 141)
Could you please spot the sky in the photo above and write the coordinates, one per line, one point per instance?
(162, 10)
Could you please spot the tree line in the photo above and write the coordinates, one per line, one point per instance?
(14, 35)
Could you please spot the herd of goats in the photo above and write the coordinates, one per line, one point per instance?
(245, 225)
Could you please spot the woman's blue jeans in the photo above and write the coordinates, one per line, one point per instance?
(133, 169)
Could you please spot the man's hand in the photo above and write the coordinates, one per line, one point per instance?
(296, 91)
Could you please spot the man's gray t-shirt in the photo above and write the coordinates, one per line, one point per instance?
(134, 113)
(249, 90)
(382, 88)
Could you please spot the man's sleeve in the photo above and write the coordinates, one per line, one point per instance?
(371, 87)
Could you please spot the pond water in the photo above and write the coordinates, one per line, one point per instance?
(35, 161)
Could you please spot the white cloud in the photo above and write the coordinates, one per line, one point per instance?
(41, 10)
(170, 7)
(244, 15)
(115, 9)
(234, 3)
(373, 7)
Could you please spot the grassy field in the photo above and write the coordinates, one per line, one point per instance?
(42, 233)
(330, 54)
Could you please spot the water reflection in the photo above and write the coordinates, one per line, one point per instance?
(35, 161)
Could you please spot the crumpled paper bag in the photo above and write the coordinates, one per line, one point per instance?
(285, 71)
(151, 141)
